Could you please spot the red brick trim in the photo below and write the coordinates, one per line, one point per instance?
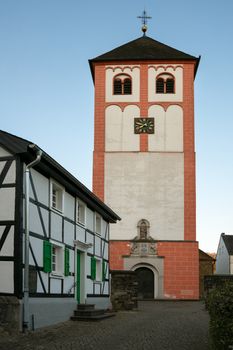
(99, 132)
(189, 155)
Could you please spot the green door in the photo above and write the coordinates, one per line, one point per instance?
(78, 277)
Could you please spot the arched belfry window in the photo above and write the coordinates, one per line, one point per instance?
(143, 229)
(165, 84)
(122, 85)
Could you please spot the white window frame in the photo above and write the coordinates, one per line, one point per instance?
(98, 217)
(61, 190)
(81, 221)
(59, 271)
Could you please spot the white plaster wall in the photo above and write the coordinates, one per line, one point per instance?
(149, 186)
(7, 204)
(45, 280)
(89, 219)
(4, 152)
(97, 246)
(55, 285)
(222, 259)
(34, 219)
(10, 176)
(168, 135)
(177, 72)
(68, 233)
(8, 246)
(80, 233)
(37, 248)
(133, 72)
(56, 226)
(69, 205)
(41, 184)
(104, 229)
(119, 129)
(90, 239)
(7, 277)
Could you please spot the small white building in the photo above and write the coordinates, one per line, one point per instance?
(224, 258)
(68, 231)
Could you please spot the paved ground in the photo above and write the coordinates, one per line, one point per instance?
(157, 325)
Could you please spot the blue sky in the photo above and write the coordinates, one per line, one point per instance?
(46, 89)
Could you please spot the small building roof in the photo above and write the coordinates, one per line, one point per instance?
(144, 48)
(228, 241)
(205, 256)
(20, 147)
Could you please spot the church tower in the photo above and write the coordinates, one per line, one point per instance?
(144, 163)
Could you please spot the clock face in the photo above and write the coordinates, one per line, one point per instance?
(144, 125)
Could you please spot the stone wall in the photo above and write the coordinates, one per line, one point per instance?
(124, 289)
(9, 314)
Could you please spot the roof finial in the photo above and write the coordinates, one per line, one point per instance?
(144, 19)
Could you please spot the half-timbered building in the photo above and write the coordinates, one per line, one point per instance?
(68, 236)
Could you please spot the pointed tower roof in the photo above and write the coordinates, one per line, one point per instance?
(144, 48)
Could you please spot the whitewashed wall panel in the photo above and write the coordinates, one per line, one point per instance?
(10, 176)
(6, 277)
(97, 246)
(80, 233)
(44, 277)
(7, 204)
(69, 205)
(37, 247)
(56, 226)
(41, 184)
(90, 219)
(55, 285)
(68, 233)
(8, 246)
(35, 221)
(4, 152)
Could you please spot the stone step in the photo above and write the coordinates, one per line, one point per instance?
(85, 306)
(93, 312)
(93, 318)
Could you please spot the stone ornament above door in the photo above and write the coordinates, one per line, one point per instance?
(143, 244)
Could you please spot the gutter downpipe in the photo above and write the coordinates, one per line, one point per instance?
(26, 237)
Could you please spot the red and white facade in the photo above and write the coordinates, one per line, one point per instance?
(149, 177)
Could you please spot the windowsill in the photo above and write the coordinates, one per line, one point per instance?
(58, 211)
(81, 223)
(56, 275)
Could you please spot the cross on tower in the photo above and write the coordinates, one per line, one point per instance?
(144, 19)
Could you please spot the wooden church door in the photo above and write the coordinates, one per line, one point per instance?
(145, 283)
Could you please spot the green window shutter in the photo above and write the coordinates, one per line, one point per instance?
(47, 256)
(104, 270)
(66, 262)
(93, 268)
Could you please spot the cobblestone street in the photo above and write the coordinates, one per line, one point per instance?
(161, 325)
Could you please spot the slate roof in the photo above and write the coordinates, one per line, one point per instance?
(19, 147)
(228, 240)
(143, 48)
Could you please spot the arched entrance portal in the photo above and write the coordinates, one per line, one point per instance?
(145, 283)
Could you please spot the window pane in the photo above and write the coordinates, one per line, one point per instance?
(80, 213)
(127, 87)
(117, 87)
(98, 224)
(170, 86)
(160, 86)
